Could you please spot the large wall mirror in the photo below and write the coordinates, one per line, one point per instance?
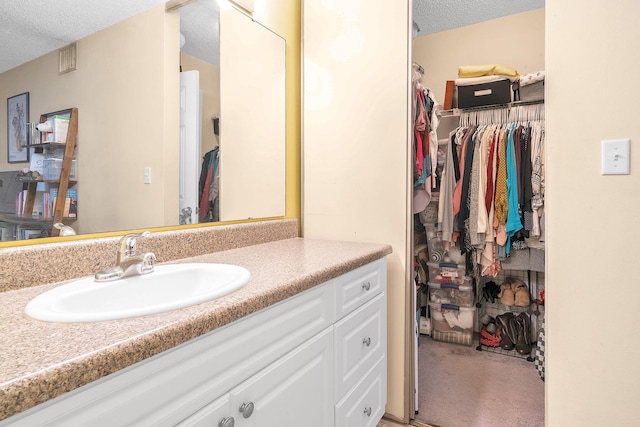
(140, 162)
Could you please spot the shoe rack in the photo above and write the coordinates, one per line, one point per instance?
(535, 284)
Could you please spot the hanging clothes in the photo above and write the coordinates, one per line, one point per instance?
(492, 192)
(209, 210)
(425, 110)
(422, 169)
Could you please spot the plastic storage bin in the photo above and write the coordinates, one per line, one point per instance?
(447, 272)
(435, 244)
(437, 252)
(429, 215)
(452, 323)
(52, 167)
(451, 293)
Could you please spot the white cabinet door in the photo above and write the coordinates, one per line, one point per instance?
(295, 390)
(360, 340)
(215, 414)
(364, 406)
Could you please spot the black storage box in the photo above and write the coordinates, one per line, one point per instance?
(491, 93)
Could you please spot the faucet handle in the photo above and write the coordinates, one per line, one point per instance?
(128, 244)
(148, 262)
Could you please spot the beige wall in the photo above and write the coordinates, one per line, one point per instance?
(516, 41)
(210, 87)
(592, 220)
(127, 117)
(355, 154)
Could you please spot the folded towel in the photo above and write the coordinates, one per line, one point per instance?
(531, 78)
(486, 70)
(480, 80)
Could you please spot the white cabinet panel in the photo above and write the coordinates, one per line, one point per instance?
(214, 414)
(292, 391)
(364, 406)
(360, 341)
(359, 286)
(296, 390)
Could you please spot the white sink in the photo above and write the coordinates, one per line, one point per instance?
(168, 287)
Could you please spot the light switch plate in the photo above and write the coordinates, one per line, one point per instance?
(615, 157)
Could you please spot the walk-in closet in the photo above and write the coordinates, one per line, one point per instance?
(478, 220)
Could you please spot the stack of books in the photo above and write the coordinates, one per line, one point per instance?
(70, 205)
(44, 204)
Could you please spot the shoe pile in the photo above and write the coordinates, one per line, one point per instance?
(490, 339)
(515, 332)
(514, 292)
(490, 291)
(490, 335)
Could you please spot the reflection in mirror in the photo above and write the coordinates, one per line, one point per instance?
(253, 69)
(199, 107)
(126, 89)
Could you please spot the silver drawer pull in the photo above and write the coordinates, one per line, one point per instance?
(366, 286)
(367, 341)
(246, 409)
(367, 411)
(227, 422)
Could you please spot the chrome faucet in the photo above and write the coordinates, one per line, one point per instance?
(127, 262)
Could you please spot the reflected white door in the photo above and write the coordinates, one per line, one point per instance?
(190, 143)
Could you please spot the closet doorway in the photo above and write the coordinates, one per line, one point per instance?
(457, 385)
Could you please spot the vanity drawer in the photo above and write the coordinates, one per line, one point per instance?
(360, 340)
(364, 406)
(359, 286)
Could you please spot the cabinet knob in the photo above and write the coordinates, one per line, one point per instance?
(227, 422)
(246, 409)
(367, 341)
(366, 286)
(367, 411)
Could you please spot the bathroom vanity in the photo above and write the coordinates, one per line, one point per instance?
(304, 343)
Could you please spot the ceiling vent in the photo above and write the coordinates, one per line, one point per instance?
(68, 58)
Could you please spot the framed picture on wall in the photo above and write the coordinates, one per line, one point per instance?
(17, 118)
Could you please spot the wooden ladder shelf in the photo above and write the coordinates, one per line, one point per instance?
(63, 184)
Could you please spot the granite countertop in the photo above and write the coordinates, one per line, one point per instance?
(40, 360)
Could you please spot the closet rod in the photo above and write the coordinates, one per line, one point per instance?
(531, 111)
(496, 106)
(457, 111)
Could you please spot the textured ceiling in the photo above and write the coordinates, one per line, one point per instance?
(199, 26)
(432, 16)
(31, 28)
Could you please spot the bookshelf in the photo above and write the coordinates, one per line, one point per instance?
(63, 181)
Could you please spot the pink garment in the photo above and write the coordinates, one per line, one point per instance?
(419, 156)
(421, 126)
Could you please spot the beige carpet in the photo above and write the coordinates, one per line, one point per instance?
(462, 387)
